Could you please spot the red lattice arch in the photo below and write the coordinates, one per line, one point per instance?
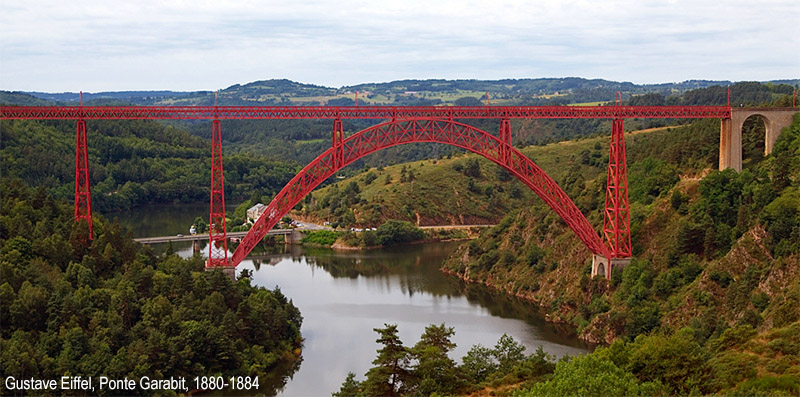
(397, 132)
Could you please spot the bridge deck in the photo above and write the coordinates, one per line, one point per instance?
(356, 112)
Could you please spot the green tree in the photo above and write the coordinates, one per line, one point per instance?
(391, 375)
(678, 361)
(473, 168)
(434, 371)
(370, 177)
(591, 376)
(468, 101)
(369, 238)
(200, 225)
(650, 178)
(478, 363)
(398, 232)
(508, 353)
(350, 388)
(240, 213)
(782, 219)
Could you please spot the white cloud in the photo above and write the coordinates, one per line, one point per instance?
(188, 45)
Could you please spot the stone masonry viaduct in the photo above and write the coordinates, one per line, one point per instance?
(730, 137)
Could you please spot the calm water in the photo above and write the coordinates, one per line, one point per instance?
(162, 220)
(344, 295)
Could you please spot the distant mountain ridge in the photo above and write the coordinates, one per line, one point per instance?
(125, 95)
(527, 91)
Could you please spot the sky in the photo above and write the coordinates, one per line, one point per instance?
(189, 45)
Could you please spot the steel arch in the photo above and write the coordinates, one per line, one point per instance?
(420, 129)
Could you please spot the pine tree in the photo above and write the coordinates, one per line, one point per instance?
(435, 370)
(391, 375)
(350, 388)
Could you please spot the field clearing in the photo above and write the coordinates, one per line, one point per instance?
(391, 98)
(310, 141)
(588, 103)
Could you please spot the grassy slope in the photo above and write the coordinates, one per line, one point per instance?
(438, 195)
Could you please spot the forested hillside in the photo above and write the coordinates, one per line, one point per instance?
(685, 221)
(132, 163)
(110, 307)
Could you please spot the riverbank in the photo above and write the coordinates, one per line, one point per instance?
(345, 247)
(530, 297)
(344, 295)
(389, 234)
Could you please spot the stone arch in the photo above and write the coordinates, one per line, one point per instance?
(754, 131)
(730, 148)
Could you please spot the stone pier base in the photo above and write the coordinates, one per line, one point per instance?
(602, 266)
(294, 237)
(227, 270)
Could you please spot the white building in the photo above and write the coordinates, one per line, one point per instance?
(255, 211)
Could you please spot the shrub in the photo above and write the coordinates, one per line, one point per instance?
(721, 278)
(369, 239)
(769, 386)
(320, 237)
(398, 232)
(730, 368)
(591, 376)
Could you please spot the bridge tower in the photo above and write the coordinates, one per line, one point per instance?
(217, 238)
(337, 137)
(505, 138)
(83, 197)
(617, 223)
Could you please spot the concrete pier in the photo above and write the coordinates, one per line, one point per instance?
(601, 266)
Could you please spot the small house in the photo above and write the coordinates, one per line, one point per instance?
(255, 211)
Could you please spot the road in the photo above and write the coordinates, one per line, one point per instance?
(200, 236)
(454, 226)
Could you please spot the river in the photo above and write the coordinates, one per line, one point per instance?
(344, 295)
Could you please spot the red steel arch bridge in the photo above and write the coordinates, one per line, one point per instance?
(400, 125)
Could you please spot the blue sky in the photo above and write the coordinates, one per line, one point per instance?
(56, 45)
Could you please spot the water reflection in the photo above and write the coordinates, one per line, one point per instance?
(344, 295)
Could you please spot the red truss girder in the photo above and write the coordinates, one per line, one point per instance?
(217, 238)
(83, 197)
(617, 223)
(358, 112)
(398, 132)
